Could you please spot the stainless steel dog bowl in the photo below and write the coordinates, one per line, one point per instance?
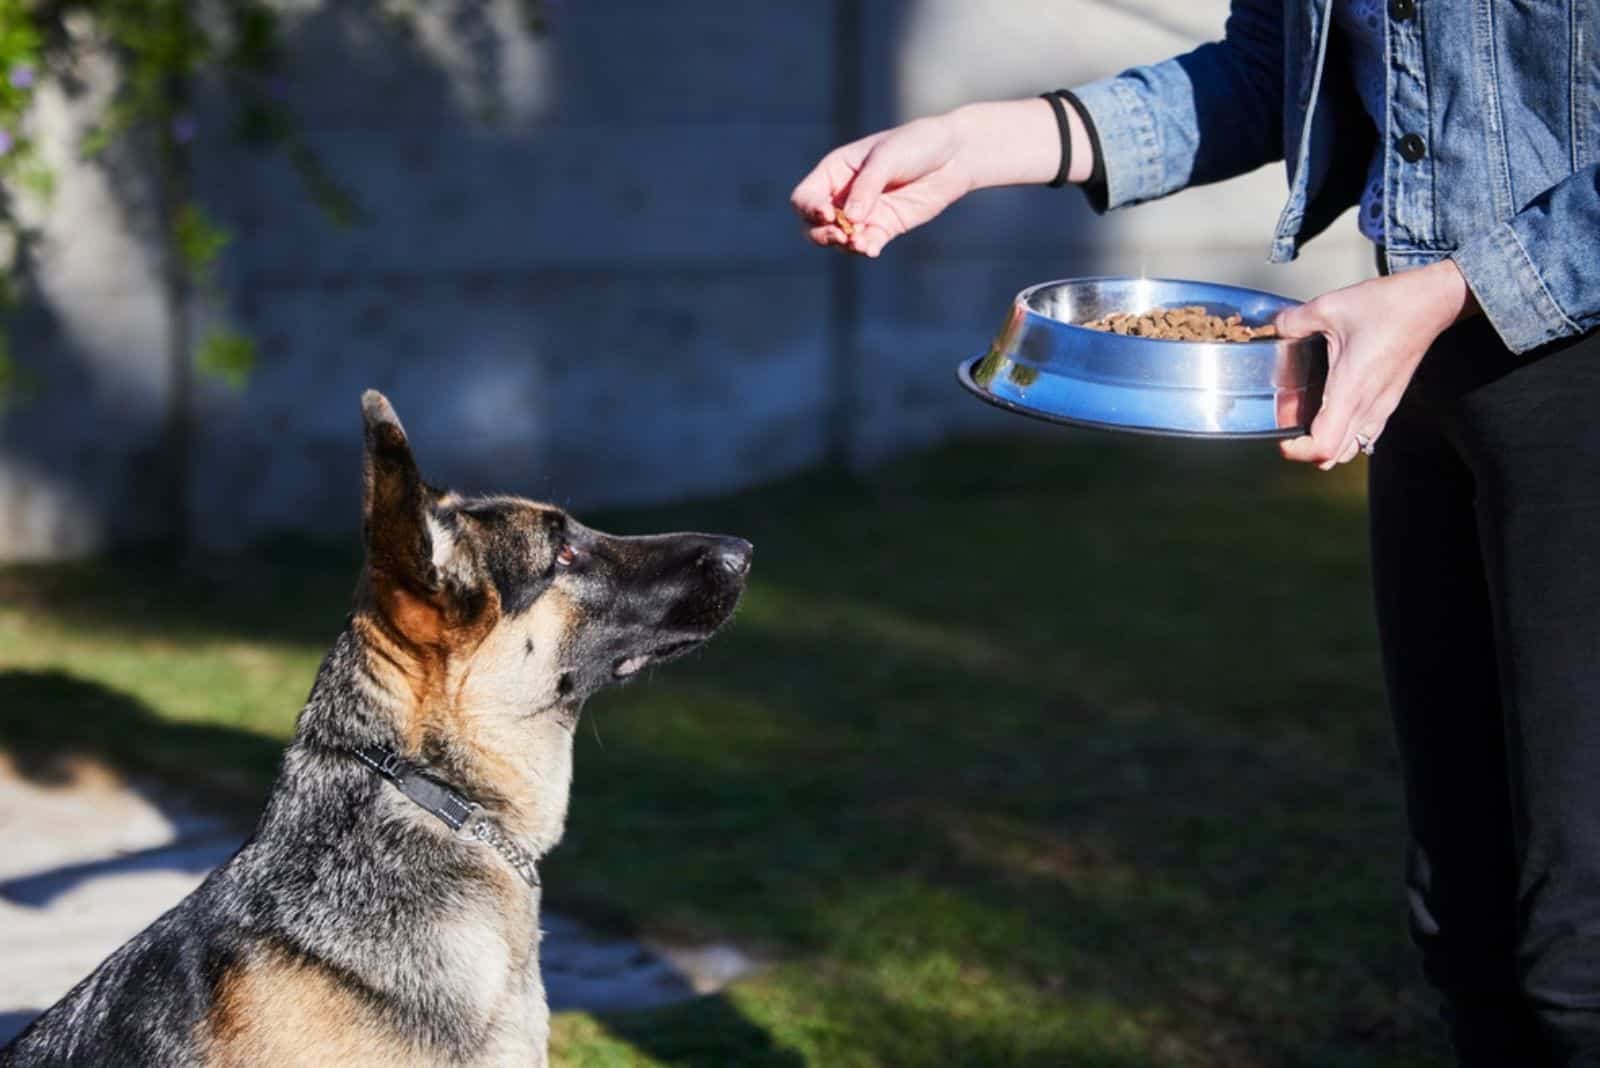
(1044, 365)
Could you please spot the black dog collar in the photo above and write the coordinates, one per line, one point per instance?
(467, 818)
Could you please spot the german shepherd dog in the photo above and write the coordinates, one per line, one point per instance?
(386, 909)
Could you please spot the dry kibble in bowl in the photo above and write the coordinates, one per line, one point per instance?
(1187, 323)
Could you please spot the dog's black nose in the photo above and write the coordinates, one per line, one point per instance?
(733, 555)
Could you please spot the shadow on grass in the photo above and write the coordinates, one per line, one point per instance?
(290, 591)
(714, 1032)
(48, 717)
(49, 720)
(699, 1034)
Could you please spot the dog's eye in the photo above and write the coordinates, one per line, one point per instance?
(567, 556)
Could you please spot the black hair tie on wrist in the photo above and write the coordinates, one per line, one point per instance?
(1065, 129)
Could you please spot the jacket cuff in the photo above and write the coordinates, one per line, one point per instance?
(1513, 296)
(1128, 148)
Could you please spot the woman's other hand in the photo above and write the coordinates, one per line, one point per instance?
(1377, 334)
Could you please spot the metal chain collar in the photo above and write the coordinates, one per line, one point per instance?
(480, 826)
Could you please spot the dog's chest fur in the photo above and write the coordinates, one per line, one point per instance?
(469, 995)
(426, 954)
(396, 943)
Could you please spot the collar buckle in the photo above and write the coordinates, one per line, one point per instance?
(476, 826)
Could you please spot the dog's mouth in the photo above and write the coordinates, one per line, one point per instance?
(632, 665)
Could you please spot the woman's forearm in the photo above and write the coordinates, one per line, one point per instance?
(1016, 142)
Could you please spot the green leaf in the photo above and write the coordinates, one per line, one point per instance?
(34, 176)
(120, 116)
(255, 41)
(338, 204)
(199, 242)
(228, 356)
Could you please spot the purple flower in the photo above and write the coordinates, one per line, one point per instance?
(184, 129)
(5, 142)
(22, 76)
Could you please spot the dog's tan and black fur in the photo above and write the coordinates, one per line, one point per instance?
(354, 928)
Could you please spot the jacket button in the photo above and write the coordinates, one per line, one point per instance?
(1412, 148)
(1402, 10)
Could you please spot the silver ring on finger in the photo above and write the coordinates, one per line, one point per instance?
(1367, 443)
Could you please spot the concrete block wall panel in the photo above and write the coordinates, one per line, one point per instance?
(580, 390)
(465, 200)
(617, 64)
(596, 295)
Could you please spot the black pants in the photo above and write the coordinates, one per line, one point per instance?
(1485, 504)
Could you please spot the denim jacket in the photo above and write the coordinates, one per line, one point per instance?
(1492, 140)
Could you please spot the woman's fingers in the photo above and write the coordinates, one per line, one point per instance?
(812, 199)
(1357, 404)
(870, 238)
(1330, 428)
(1369, 423)
(825, 235)
(877, 171)
(1303, 320)
(819, 192)
(1330, 434)
(1344, 420)
(1349, 408)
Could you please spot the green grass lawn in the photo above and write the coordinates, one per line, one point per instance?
(1063, 750)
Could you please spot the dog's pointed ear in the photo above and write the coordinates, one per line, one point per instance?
(394, 502)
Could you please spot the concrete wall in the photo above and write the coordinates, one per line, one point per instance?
(581, 279)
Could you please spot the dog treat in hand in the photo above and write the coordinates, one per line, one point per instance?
(844, 223)
(1188, 323)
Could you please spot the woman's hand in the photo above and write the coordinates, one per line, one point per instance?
(885, 184)
(1377, 333)
(898, 179)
